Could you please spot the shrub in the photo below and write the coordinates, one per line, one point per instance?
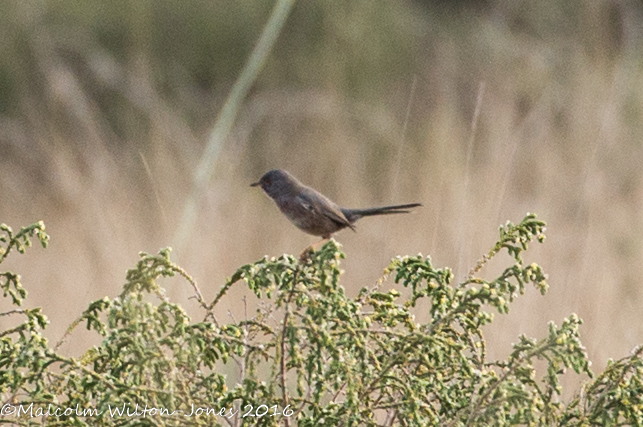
(310, 355)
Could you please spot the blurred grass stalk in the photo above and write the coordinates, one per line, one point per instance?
(227, 116)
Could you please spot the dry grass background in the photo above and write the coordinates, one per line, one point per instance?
(105, 108)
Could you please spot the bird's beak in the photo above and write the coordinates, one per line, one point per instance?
(254, 184)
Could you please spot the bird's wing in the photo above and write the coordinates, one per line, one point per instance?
(322, 205)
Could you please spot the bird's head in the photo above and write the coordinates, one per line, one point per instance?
(277, 182)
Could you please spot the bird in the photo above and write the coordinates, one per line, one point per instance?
(311, 211)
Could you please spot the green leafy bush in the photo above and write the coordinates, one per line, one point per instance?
(310, 355)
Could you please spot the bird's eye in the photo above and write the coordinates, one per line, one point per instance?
(267, 181)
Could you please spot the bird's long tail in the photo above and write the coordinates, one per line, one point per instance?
(355, 214)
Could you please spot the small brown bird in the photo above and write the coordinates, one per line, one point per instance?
(311, 211)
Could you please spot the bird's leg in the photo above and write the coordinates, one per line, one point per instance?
(306, 253)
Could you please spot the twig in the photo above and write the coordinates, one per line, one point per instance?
(282, 362)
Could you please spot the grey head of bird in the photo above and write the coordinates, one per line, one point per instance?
(278, 183)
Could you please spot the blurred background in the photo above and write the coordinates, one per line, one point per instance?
(481, 110)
